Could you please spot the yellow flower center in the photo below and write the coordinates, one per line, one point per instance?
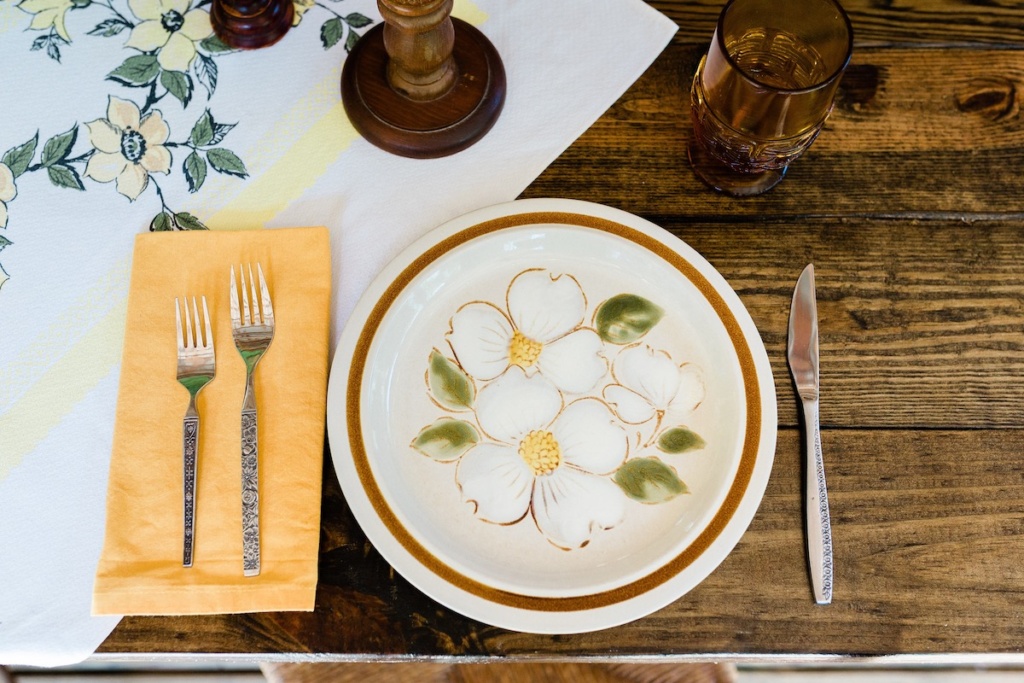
(541, 452)
(523, 351)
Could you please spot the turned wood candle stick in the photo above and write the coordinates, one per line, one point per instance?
(423, 84)
(251, 24)
(420, 47)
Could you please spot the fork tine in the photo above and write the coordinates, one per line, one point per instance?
(177, 320)
(268, 308)
(257, 314)
(209, 332)
(199, 326)
(236, 319)
(246, 320)
(189, 339)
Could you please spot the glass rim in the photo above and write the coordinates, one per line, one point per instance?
(720, 39)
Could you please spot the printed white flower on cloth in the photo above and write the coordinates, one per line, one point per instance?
(48, 13)
(301, 7)
(8, 191)
(649, 383)
(541, 332)
(128, 149)
(546, 458)
(170, 27)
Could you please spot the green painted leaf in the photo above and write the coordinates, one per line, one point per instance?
(215, 45)
(56, 148)
(626, 317)
(64, 176)
(649, 480)
(351, 41)
(202, 131)
(109, 27)
(18, 158)
(4, 242)
(331, 32)
(226, 161)
(195, 171)
(206, 72)
(450, 386)
(179, 85)
(357, 20)
(187, 221)
(162, 222)
(447, 439)
(680, 440)
(136, 71)
(40, 42)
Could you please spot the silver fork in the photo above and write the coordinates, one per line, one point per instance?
(196, 367)
(252, 326)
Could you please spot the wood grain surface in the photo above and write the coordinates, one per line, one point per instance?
(911, 206)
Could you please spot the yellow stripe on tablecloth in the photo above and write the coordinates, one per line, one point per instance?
(61, 387)
(306, 160)
(469, 12)
(287, 179)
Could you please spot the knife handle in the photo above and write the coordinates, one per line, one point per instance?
(819, 526)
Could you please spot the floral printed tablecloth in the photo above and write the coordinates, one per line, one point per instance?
(121, 116)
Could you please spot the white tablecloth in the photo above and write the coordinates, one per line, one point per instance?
(118, 115)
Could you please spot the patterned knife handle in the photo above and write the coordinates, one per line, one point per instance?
(190, 439)
(250, 494)
(819, 525)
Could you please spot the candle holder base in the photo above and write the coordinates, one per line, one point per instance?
(424, 129)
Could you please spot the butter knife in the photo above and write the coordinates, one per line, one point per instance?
(802, 352)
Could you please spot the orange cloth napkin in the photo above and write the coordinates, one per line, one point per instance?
(140, 570)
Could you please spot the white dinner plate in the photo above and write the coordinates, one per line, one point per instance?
(552, 416)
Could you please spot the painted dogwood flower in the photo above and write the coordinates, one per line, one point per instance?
(648, 383)
(546, 458)
(128, 149)
(48, 13)
(540, 330)
(8, 191)
(170, 27)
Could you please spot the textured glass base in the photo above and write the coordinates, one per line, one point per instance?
(722, 177)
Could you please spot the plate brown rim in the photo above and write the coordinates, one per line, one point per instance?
(640, 586)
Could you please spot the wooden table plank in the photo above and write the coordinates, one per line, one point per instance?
(893, 22)
(935, 133)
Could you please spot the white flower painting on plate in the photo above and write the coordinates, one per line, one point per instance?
(555, 412)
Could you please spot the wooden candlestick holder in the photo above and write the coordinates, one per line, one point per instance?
(422, 84)
(250, 24)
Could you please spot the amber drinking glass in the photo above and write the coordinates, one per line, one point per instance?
(763, 91)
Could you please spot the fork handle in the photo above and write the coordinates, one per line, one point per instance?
(250, 492)
(190, 439)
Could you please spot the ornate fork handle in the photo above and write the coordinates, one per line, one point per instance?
(250, 483)
(190, 439)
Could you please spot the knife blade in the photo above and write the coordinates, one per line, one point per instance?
(802, 353)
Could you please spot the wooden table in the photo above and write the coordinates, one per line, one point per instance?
(911, 206)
